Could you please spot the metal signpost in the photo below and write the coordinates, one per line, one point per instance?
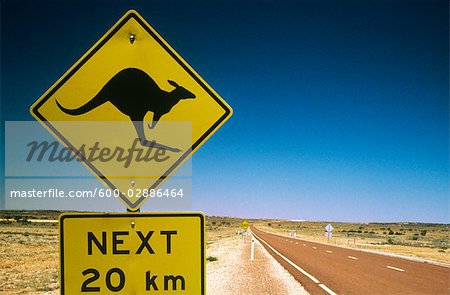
(328, 233)
(132, 88)
(244, 226)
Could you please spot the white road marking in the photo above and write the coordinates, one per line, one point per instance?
(291, 263)
(351, 257)
(328, 251)
(395, 268)
(314, 247)
(328, 290)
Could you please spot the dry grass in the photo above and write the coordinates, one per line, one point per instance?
(218, 228)
(28, 258)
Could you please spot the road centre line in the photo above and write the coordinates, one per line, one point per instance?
(395, 268)
(415, 259)
(351, 257)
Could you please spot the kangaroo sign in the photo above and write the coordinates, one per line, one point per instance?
(132, 253)
(134, 96)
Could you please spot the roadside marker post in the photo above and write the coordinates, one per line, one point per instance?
(129, 76)
(252, 251)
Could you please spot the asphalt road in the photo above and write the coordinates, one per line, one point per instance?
(327, 269)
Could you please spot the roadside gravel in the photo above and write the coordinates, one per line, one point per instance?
(233, 273)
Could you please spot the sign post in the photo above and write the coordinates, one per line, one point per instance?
(328, 233)
(244, 226)
(132, 88)
(252, 251)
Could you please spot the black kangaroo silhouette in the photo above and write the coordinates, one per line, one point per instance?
(134, 93)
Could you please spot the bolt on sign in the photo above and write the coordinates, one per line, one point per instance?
(135, 101)
(132, 253)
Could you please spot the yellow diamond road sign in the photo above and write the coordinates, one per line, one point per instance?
(132, 91)
(244, 225)
(132, 253)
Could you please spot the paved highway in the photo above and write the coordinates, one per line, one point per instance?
(327, 269)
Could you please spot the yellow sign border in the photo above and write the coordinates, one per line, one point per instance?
(64, 216)
(34, 109)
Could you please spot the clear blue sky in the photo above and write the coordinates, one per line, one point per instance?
(341, 108)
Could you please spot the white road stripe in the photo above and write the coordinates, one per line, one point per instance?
(328, 290)
(351, 257)
(328, 251)
(291, 263)
(395, 268)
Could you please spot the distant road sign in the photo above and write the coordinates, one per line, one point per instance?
(329, 228)
(132, 75)
(132, 253)
(244, 225)
(328, 234)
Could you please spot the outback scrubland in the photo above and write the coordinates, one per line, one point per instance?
(29, 253)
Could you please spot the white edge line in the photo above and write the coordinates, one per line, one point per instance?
(351, 257)
(395, 268)
(290, 262)
(328, 290)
